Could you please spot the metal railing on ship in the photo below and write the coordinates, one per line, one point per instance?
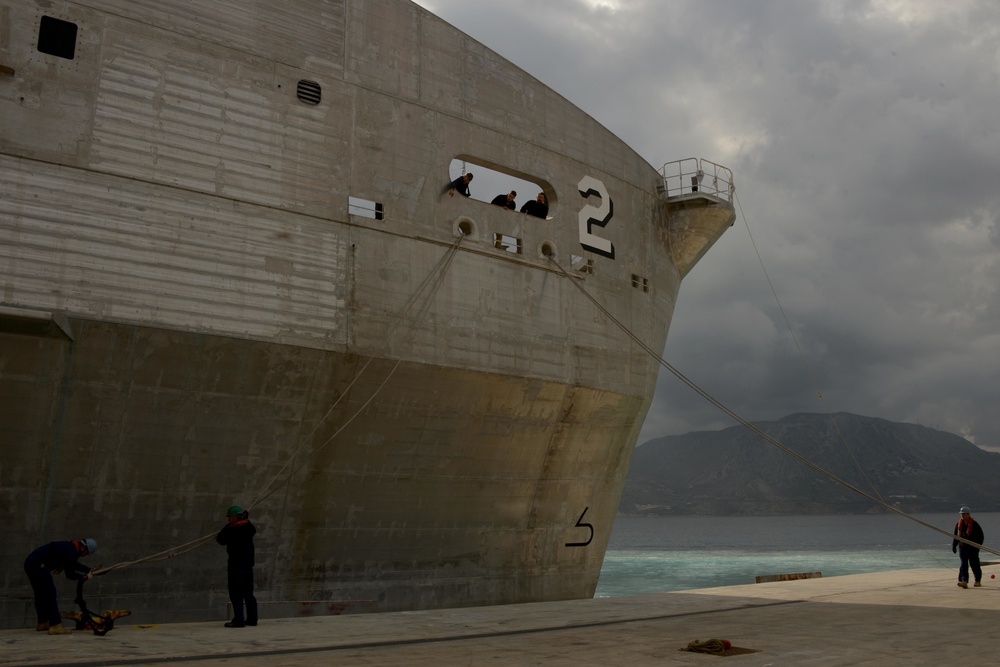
(696, 176)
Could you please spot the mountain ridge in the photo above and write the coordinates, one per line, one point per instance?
(736, 472)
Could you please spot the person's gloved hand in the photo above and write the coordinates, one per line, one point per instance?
(954, 550)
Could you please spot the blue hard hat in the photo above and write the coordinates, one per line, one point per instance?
(965, 510)
(91, 544)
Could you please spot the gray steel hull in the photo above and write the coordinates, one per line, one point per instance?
(192, 316)
(448, 488)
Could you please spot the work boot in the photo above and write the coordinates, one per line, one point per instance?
(963, 584)
(58, 629)
(42, 627)
(235, 624)
(977, 584)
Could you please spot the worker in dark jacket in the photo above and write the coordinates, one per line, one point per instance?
(49, 559)
(237, 536)
(460, 185)
(969, 529)
(507, 200)
(537, 207)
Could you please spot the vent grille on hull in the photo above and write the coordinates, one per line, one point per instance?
(309, 92)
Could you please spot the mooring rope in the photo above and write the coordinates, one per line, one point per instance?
(710, 646)
(432, 282)
(746, 424)
(802, 356)
(429, 282)
(808, 369)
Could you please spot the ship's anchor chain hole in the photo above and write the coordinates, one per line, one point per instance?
(466, 227)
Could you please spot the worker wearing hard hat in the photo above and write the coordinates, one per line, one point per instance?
(237, 536)
(49, 559)
(969, 529)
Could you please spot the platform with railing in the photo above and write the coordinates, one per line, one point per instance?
(696, 180)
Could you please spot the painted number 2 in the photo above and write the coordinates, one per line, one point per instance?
(599, 216)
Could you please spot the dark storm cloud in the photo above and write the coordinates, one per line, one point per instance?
(866, 153)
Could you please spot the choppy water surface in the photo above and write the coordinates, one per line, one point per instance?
(648, 555)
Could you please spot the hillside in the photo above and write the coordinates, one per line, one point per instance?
(734, 471)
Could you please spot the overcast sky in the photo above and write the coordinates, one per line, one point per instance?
(864, 140)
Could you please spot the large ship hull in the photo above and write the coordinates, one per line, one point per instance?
(193, 315)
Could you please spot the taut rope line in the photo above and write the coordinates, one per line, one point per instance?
(802, 356)
(725, 409)
(438, 270)
(808, 368)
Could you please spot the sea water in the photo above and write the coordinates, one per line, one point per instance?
(659, 554)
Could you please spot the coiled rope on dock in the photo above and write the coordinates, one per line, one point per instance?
(710, 646)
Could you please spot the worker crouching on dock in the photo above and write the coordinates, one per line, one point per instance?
(49, 559)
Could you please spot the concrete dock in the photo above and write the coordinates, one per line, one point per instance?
(910, 617)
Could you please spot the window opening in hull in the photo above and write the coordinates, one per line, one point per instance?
(365, 208)
(581, 264)
(57, 37)
(490, 182)
(509, 243)
(640, 282)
